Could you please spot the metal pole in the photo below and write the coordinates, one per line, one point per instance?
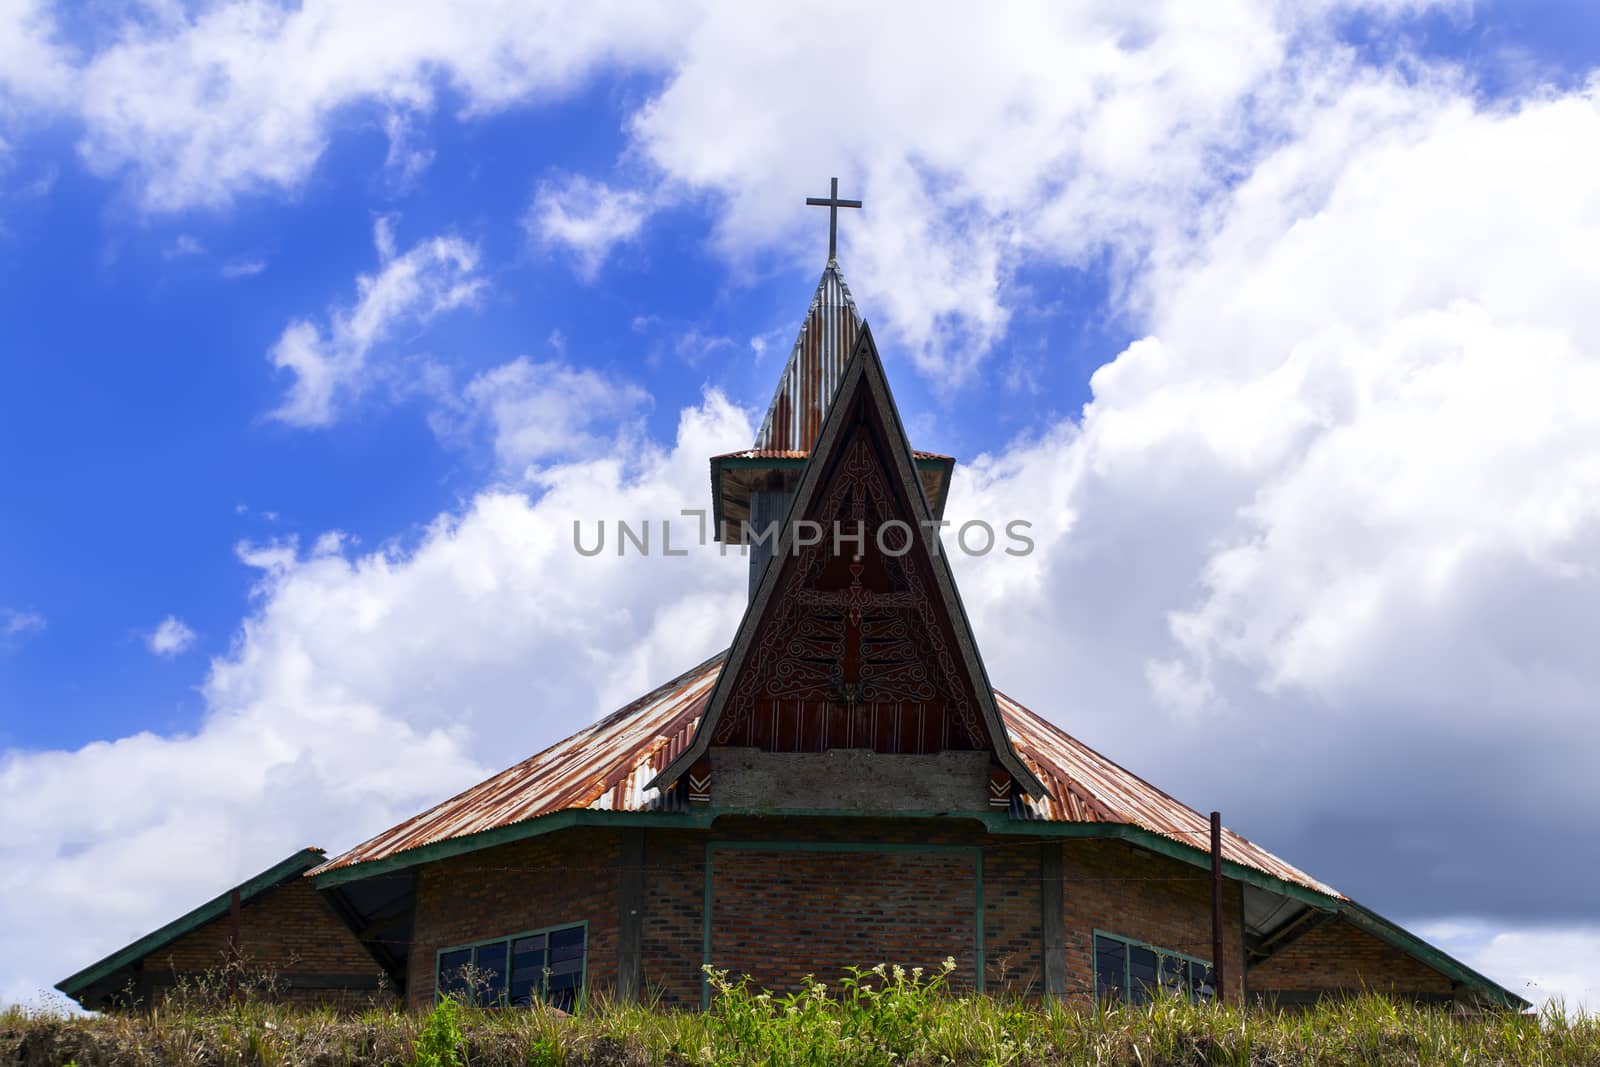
(1218, 982)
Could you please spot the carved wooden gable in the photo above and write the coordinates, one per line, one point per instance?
(855, 638)
(855, 648)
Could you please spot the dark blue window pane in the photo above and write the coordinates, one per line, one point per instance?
(1174, 976)
(491, 977)
(1201, 980)
(452, 972)
(527, 969)
(1141, 973)
(1110, 968)
(566, 967)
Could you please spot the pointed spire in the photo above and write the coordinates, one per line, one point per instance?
(811, 376)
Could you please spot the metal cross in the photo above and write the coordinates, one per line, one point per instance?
(833, 204)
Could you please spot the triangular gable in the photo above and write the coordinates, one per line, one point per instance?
(828, 638)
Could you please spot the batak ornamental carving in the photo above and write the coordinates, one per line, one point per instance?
(853, 629)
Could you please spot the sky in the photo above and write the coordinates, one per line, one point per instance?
(321, 324)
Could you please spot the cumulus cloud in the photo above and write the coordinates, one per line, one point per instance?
(330, 364)
(1557, 964)
(1333, 523)
(363, 687)
(1059, 133)
(35, 70)
(171, 637)
(197, 107)
(588, 218)
(537, 411)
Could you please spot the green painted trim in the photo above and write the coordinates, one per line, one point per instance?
(976, 851)
(701, 818)
(535, 827)
(1369, 921)
(1127, 960)
(583, 988)
(283, 870)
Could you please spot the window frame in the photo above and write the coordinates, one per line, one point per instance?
(1128, 943)
(509, 940)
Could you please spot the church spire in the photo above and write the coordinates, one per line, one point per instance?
(756, 486)
(826, 340)
(811, 376)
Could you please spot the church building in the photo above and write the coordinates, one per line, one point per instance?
(842, 786)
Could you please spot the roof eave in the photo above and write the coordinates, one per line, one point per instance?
(289, 867)
(1369, 921)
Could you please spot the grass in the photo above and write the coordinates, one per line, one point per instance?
(876, 1017)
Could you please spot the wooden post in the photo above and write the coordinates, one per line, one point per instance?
(1052, 919)
(630, 898)
(1218, 982)
(233, 946)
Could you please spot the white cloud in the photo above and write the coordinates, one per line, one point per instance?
(16, 624)
(35, 70)
(171, 637)
(407, 159)
(1324, 551)
(362, 688)
(589, 218)
(537, 411)
(243, 268)
(1058, 133)
(331, 364)
(196, 108)
(182, 247)
(1558, 965)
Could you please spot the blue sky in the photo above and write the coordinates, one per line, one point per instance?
(1327, 272)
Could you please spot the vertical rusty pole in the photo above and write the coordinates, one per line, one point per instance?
(233, 946)
(1218, 982)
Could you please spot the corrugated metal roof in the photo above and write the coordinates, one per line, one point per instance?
(826, 340)
(794, 453)
(601, 768)
(1086, 787)
(604, 768)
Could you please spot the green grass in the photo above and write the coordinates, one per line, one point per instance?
(877, 1017)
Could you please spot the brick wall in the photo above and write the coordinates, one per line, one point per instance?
(1143, 896)
(674, 896)
(286, 932)
(1012, 932)
(565, 877)
(1337, 957)
(780, 915)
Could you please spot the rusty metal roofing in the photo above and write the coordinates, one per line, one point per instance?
(604, 768)
(600, 768)
(810, 378)
(1086, 787)
(794, 453)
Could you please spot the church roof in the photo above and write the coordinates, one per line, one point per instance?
(604, 767)
(825, 343)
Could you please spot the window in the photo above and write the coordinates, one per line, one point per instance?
(546, 965)
(1136, 972)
